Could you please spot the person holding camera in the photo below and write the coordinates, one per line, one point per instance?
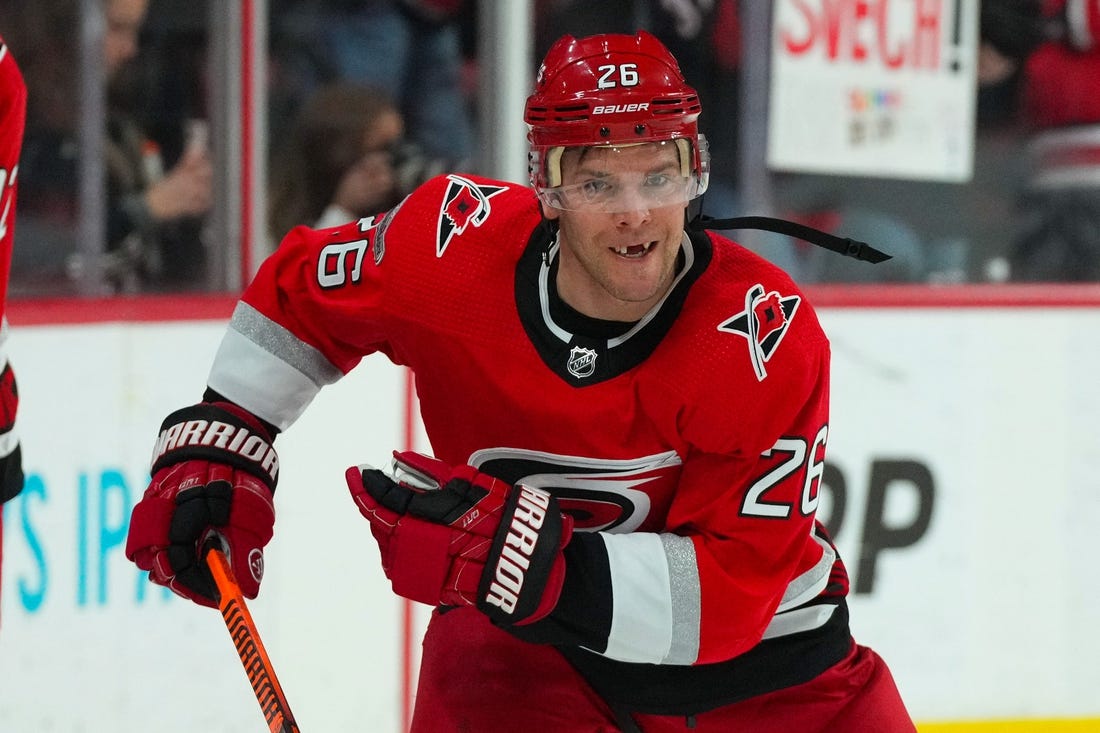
(340, 160)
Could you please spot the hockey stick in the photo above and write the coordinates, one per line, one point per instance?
(251, 650)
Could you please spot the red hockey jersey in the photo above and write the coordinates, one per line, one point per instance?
(1060, 77)
(690, 444)
(13, 109)
(13, 101)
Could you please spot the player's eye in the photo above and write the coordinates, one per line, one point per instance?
(595, 189)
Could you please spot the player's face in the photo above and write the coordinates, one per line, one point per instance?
(616, 262)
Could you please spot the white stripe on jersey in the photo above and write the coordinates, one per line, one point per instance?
(655, 587)
(267, 370)
(656, 598)
(9, 441)
(798, 620)
(809, 585)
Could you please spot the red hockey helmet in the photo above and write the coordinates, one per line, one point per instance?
(612, 90)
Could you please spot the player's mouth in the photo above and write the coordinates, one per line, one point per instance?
(634, 251)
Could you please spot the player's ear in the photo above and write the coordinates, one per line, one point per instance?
(549, 212)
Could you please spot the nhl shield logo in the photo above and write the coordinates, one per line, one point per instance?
(582, 362)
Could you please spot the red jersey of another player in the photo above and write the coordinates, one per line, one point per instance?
(689, 444)
(13, 110)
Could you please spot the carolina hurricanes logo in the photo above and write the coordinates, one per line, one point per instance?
(465, 203)
(602, 495)
(763, 323)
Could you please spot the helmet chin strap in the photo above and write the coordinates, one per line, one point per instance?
(696, 221)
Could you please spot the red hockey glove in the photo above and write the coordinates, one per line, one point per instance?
(11, 455)
(214, 474)
(459, 537)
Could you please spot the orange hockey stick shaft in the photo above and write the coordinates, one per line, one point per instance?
(257, 665)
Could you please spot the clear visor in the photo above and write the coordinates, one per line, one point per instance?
(620, 192)
(615, 191)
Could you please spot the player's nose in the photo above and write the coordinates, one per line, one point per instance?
(631, 207)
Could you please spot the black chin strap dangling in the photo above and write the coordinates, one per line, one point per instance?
(841, 245)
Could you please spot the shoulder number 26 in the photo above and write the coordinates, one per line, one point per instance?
(797, 454)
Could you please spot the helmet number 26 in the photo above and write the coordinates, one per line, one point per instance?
(627, 76)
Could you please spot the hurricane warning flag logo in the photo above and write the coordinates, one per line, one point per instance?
(465, 203)
(763, 323)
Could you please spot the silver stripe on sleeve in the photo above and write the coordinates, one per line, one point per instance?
(656, 598)
(267, 370)
(809, 585)
(282, 343)
(686, 598)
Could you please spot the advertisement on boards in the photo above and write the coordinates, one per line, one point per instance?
(87, 643)
(961, 485)
(881, 88)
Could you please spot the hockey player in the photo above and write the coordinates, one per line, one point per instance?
(13, 110)
(629, 418)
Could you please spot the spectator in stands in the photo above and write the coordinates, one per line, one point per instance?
(151, 210)
(1060, 228)
(338, 161)
(412, 49)
(153, 215)
(43, 36)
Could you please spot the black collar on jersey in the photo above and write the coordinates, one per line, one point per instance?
(573, 320)
(844, 245)
(580, 351)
